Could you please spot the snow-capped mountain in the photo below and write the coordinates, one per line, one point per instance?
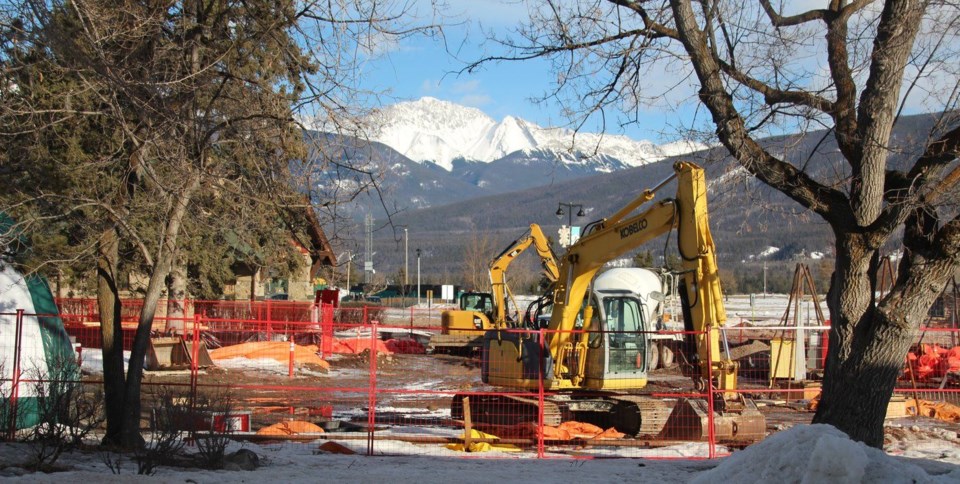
(429, 152)
(431, 130)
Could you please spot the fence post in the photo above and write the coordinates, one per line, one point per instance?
(194, 364)
(269, 309)
(15, 377)
(540, 430)
(292, 348)
(711, 431)
(269, 322)
(372, 391)
(183, 318)
(326, 329)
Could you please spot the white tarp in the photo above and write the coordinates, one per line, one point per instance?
(14, 295)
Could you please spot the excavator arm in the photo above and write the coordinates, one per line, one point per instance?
(700, 286)
(499, 265)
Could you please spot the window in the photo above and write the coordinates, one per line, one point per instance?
(625, 339)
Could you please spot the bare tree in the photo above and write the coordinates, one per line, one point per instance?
(852, 67)
(476, 262)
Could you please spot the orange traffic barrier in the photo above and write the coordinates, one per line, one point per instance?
(933, 362)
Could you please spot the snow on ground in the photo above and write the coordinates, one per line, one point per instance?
(803, 454)
(768, 309)
(923, 438)
(819, 453)
(91, 360)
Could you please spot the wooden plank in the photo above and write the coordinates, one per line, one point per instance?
(467, 425)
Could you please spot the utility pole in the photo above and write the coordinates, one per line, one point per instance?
(418, 276)
(406, 261)
(764, 278)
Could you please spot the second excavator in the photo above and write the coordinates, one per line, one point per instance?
(480, 311)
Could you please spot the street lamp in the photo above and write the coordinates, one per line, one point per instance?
(418, 276)
(406, 264)
(350, 257)
(570, 207)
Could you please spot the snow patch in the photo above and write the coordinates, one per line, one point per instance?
(813, 454)
(769, 251)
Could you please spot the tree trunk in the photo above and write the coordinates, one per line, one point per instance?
(131, 415)
(857, 389)
(869, 340)
(111, 334)
(176, 293)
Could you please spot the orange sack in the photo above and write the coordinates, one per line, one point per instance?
(292, 427)
(275, 350)
(580, 430)
(944, 411)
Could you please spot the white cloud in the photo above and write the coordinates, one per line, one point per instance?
(429, 87)
(488, 13)
(475, 100)
(465, 87)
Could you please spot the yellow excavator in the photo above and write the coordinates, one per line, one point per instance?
(593, 356)
(481, 311)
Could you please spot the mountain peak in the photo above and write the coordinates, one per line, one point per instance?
(430, 129)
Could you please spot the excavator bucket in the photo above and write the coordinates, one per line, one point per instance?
(172, 353)
(690, 420)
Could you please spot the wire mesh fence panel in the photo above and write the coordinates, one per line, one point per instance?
(39, 374)
(338, 379)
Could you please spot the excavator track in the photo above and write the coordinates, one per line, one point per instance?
(506, 409)
(634, 415)
(652, 413)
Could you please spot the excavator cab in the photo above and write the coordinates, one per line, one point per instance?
(475, 314)
(476, 301)
(626, 341)
(617, 342)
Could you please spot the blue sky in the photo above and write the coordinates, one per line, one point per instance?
(420, 67)
(423, 67)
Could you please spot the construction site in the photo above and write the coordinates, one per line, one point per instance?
(367, 380)
(607, 361)
(612, 361)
